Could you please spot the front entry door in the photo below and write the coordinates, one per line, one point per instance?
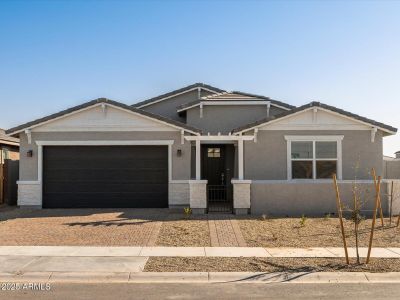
(217, 168)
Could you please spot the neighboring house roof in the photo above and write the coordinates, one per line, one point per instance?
(8, 140)
(389, 158)
(235, 96)
(177, 92)
(17, 129)
(264, 121)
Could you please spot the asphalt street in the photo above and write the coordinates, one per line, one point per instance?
(210, 291)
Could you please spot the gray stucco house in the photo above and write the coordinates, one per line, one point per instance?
(202, 147)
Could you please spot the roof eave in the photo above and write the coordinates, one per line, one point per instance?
(15, 131)
(383, 127)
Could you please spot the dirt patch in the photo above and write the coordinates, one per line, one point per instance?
(316, 232)
(78, 227)
(224, 264)
(179, 231)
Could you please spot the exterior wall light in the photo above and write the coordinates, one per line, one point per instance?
(29, 153)
(179, 152)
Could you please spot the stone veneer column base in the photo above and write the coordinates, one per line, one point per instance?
(29, 194)
(241, 211)
(241, 196)
(198, 196)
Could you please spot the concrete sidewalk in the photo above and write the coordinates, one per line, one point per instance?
(87, 251)
(201, 277)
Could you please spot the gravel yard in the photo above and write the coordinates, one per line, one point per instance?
(79, 227)
(179, 231)
(316, 232)
(219, 264)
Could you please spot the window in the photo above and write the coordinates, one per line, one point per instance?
(213, 152)
(317, 157)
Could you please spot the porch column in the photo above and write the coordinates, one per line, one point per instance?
(241, 187)
(240, 158)
(198, 176)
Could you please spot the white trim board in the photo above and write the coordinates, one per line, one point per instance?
(232, 103)
(174, 95)
(220, 138)
(106, 143)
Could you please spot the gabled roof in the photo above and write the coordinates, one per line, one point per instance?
(18, 129)
(177, 92)
(5, 139)
(265, 121)
(235, 96)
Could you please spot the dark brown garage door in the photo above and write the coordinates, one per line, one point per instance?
(105, 176)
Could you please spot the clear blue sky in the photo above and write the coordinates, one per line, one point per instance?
(56, 54)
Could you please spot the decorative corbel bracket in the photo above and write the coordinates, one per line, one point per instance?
(255, 135)
(373, 134)
(315, 115)
(29, 135)
(104, 108)
(182, 137)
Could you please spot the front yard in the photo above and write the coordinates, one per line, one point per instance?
(141, 227)
(315, 232)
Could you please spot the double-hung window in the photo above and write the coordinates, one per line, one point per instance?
(314, 157)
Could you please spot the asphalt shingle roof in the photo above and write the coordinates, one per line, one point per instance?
(5, 138)
(235, 96)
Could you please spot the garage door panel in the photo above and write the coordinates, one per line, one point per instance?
(106, 187)
(105, 176)
(109, 175)
(136, 163)
(100, 200)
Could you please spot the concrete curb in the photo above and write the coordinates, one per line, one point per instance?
(203, 277)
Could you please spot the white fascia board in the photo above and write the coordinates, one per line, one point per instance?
(220, 138)
(177, 94)
(57, 118)
(314, 137)
(356, 120)
(102, 104)
(311, 108)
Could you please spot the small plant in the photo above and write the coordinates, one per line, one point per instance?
(264, 217)
(187, 211)
(327, 216)
(303, 220)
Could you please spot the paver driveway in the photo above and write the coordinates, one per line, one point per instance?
(88, 227)
(116, 227)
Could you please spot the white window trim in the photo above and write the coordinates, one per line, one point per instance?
(40, 145)
(314, 138)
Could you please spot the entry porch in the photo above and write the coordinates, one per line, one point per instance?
(219, 184)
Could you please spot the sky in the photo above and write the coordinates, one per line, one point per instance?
(57, 54)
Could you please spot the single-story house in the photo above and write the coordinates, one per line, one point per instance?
(199, 147)
(9, 156)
